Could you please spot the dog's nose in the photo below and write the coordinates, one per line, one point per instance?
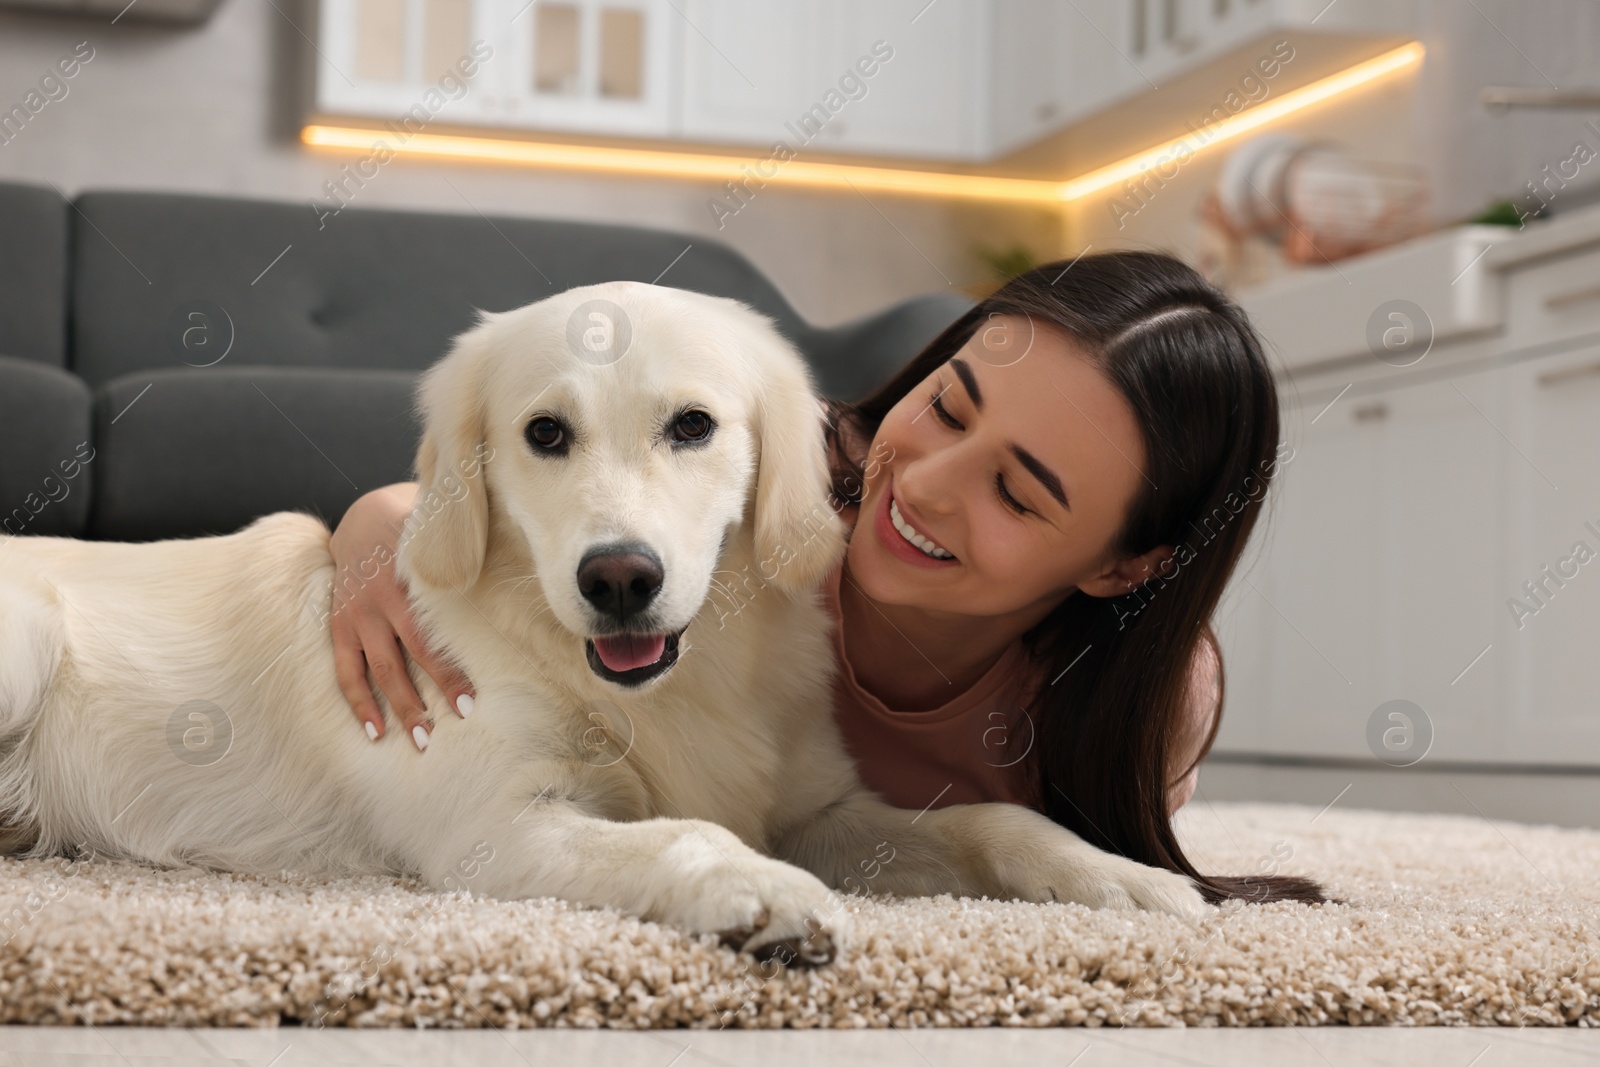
(620, 581)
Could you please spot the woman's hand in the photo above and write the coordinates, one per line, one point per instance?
(371, 621)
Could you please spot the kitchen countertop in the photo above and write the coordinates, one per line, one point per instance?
(1319, 317)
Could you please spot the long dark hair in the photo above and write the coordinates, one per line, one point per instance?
(1192, 369)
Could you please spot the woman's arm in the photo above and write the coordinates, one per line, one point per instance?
(371, 621)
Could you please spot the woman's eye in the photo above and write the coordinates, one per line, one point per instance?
(546, 434)
(1005, 496)
(937, 403)
(692, 427)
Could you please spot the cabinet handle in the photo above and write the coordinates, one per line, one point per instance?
(1580, 296)
(1371, 412)
(1568, 373)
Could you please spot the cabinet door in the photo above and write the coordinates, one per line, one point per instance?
(1445, 534)
(1554, 507)
(1243, 624)
(1103, 61)
(589, 66)
(930, 98)
(1323, 582)
(384, 58)
(1030, 95)
(595, 66)
(753, 68)
(1381, 570)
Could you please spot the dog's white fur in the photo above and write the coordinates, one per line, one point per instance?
(718, 796)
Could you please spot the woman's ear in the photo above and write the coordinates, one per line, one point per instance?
(798, 533)
(1126, 575)
(447, 534)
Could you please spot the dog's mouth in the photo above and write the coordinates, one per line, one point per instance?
(632, 659)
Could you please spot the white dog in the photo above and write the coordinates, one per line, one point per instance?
(589, 466)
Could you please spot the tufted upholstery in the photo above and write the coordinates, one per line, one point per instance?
(247, 356)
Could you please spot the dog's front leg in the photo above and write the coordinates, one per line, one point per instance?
(689, 873)
(862, 844)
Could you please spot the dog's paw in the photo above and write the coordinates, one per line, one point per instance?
(1155, 889)
(1115, 882)
(756, 904)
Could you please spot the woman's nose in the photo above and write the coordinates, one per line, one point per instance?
(930, 483)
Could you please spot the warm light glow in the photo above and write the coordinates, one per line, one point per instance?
(1245, 121)
(640, 161)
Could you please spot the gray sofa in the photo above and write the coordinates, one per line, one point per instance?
(176, 365)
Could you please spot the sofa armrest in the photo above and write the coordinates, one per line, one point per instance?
(852, 360)
(46, 453)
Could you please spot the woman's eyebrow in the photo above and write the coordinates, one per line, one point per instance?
(964, 372)
(1046, 476)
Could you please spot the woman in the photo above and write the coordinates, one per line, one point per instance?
(1056, 491)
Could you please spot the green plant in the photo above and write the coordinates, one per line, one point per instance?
(1008, 262)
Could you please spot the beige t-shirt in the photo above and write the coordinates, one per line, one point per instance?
(971, 749)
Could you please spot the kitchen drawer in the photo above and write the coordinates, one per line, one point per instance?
(1554, 300)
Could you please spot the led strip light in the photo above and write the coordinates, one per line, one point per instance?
(640, 161)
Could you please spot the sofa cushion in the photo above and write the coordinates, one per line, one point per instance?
(163, 281)
(33, 273)
(47, 457)
(187, 452)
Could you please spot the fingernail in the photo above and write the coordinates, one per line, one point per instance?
(372, 730)
(465, 704)
(419, 734)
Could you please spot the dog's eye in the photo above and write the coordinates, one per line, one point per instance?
(692, 426)
(546, 434)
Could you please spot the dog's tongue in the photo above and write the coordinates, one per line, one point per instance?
(625, 652)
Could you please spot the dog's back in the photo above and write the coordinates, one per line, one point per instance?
(147, 702)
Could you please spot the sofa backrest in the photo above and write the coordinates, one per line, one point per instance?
(33, 273)
(164, 280)
(222, 358)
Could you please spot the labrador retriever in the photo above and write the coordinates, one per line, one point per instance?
(589, 466)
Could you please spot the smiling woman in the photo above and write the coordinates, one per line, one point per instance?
(1048, 457)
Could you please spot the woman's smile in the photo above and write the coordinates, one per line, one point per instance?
(896, 532)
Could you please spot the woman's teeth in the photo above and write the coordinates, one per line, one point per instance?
(928, 547)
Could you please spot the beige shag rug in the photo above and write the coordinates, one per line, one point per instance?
(1447, 920)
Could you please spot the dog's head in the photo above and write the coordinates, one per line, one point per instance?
(630, 433)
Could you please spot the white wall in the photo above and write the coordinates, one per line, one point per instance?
(217, 109)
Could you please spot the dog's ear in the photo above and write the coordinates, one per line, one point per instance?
(798, 533)
(447, 533)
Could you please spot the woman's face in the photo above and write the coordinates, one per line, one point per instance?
(1017, 461)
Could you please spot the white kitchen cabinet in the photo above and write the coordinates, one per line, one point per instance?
(929, 99)
(1167, 38)
(1379, 576)
(1422, 507)
(752, 70)
(1444, 534)
(1322, 592)
(969, 80)
(1243, 624)
(1553, 652)
(588, 66)
(581, 66)
(1055, 63)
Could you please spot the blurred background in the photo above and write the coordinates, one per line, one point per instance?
(1403, 194)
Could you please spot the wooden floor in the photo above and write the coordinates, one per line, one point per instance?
(114, 1047)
